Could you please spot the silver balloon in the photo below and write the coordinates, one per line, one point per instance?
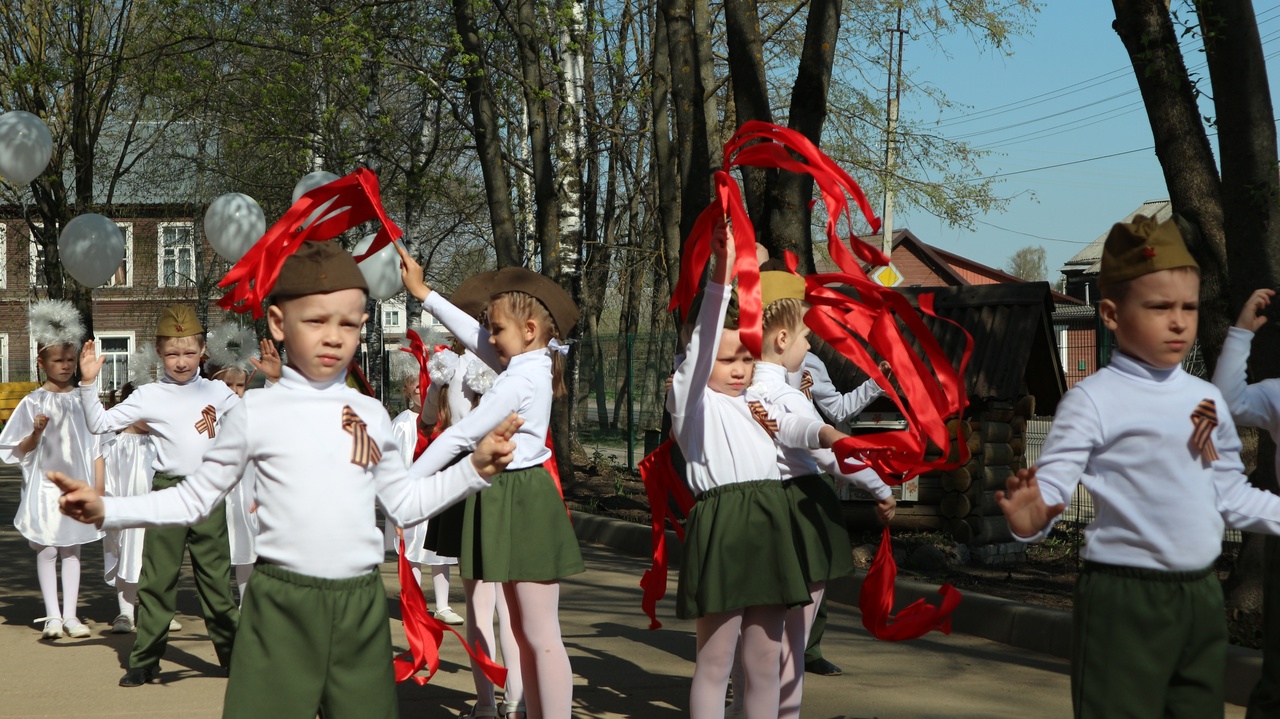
(91, 248)
(381, 269)
(309, 182)
(25, 147)
(233, 223)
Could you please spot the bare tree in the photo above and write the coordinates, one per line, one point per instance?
(1029, 263)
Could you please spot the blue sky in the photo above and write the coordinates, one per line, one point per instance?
(1067, 93)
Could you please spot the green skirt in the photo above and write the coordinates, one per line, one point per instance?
(740, 551)
(818, 522)
(518, 530)
(444, 531)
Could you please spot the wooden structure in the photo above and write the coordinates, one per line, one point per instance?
(11, 393)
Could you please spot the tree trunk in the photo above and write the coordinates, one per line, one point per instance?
(687, 94)
(488, 137)
(750, 92)
(664, 165)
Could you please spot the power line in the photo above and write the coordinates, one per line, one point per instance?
(1060, 164)
(1038, 237)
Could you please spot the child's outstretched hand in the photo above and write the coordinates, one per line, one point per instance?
(411, 274)
(886, 369)
(494, 452)
(885, 509)
(40, 422)
(270, 363)
(90, 363)
(1251, 317)
(1024, 506)
(79, 500)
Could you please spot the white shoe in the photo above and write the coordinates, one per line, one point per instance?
(75, 629)
(122, 624)
(174, 626)
(450, 617)
(52, 627)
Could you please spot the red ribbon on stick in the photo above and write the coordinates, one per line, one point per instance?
(914, 621)
(357, 199)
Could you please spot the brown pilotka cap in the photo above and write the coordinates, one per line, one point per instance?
(1141, 247)
(552, 296)
(318, 268)
(178, 321)
(473, 294)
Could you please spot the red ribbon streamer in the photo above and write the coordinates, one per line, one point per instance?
(662, 486)
(426, 634)
(914, 621)
(358, 200)
(418, 349)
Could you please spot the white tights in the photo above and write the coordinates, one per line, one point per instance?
(47, 573)
(535, 619)
(799, 623)
(483, 598)
(243, 572)
(439, 583)
(126, 597)
(761, 631)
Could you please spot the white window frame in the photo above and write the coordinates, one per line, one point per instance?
(4, 356)
(130, 338)
(388, 322)
(35, 369)
(126, 230)
(33, 261)
(1064, 333)
(191, 237)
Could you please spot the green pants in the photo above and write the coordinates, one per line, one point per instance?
(158, 583)
(309, 645)
(1148, 644)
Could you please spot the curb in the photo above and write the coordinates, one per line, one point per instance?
(1025, 626)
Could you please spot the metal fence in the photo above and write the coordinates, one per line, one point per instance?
(621, 388)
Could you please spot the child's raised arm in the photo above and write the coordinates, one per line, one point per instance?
(1252, 405)
(469, 332)
(691, 377)
(1024, 506)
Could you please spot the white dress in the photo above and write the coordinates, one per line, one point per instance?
(242, 525)
(66, 446)
(130, 462)
(405, 429)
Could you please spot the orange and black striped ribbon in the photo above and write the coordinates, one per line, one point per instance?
(208, 418)
(806, 384)
(762, 416)
(364, 451)
(1205, 418)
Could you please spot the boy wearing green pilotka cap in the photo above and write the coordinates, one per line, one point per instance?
(1158, 452)
(314, 636)
(181, 412)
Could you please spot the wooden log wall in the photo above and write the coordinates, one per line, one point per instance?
(995, 437)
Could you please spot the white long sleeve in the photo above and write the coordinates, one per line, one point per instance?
(835, 405)
(1252, 405)
(315, 505)
(464, 327)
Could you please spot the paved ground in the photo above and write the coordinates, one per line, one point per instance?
(623, 670)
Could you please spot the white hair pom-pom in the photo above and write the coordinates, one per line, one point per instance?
(144, 365)
(479, 377)
(231, 346)
(442, 366)
(55, 322)
(403, 365)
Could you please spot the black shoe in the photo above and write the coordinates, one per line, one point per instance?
(822, 667)
(138, 676)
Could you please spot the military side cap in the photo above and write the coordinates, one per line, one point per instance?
(776, 286)
(552, 296)
(319, 268)
(178, 321)
(473, 294)
(1138, 248)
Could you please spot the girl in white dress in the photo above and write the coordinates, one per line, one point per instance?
(130, 458)
(47, 432)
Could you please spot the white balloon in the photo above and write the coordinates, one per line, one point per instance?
(234, 223)
(381, 269)
(25, 147)
(91, 248)
(309, 182)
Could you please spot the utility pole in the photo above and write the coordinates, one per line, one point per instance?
(893, 94)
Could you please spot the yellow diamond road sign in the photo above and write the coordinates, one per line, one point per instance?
(887, 276)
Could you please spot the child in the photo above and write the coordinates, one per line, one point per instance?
(527, 542)
(405, 428)
(181, 413)
(315, 635)
(130, 457)
(742, 510)
(47, 433)
(816, 513)
(1157, 451)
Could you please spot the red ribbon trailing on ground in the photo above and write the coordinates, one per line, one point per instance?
(662, 486)
(426, 634)
(356, 198)
(914, 621)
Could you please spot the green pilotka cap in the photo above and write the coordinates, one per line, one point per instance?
(1141, 247)
(178, 321)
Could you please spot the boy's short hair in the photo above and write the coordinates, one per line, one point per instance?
(1141, 247)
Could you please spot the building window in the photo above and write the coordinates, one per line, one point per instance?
(124, 276)
(114, 349)
(1063, 337)
(391, 318)
(36, 263)
(4, 356)
(177, 252)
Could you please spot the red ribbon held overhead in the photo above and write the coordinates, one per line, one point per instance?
(426, 633)
(917, 619)
(357, 199)
(662, 486)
